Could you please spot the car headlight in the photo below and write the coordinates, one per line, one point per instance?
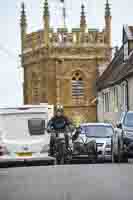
(128, 134)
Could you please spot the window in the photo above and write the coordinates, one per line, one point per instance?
(77, 86)
(126, 51)
(106, 102)
(36, 126)
(115, 99)
(124, 97)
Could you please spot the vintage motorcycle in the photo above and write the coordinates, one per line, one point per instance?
(62, 153)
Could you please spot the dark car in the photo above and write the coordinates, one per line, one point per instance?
(122, 141)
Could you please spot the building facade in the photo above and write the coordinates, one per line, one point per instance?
(62, 67)
(115, 86)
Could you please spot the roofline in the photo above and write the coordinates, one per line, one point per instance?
(109, 66)
(124, 78)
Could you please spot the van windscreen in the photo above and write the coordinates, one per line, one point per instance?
(36, 126)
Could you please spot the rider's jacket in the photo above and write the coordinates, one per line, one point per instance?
(58, 123)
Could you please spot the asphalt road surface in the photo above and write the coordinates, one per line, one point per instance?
(75, 182)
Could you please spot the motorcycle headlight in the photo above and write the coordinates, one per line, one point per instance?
(45, 148)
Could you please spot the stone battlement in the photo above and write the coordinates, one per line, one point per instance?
(62, 37)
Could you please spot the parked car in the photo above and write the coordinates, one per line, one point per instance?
(24, 136)
(102, 134)
(122, 142)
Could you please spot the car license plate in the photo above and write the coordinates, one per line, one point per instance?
(24, 154)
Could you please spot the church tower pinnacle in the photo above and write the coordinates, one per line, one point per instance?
(46, 18)
(108, 19)
(107, 9)
(23, 25)
(83, 19)
(46, 8)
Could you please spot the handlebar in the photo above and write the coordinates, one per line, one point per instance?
(66, 130)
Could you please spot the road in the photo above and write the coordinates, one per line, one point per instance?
(75, 182)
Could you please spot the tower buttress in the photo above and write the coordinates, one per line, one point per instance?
(108, 19)
(46, 18)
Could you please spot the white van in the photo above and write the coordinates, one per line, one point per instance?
(23, 133)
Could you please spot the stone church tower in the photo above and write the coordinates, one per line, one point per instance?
(62, 67)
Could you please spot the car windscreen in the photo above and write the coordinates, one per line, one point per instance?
(128, 121)
(97, 131)
(36, 126)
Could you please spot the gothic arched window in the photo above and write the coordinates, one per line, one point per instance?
(77, 87)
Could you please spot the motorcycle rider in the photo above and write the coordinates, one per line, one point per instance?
(58, 122)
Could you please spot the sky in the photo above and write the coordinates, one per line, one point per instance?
(10, 67)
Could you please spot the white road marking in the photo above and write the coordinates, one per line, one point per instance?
(3, 172)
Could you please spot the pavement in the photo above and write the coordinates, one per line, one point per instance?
(69, 182)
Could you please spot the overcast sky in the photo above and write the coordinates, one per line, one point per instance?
(10, 70)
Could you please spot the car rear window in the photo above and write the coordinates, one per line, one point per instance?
(36, 126)
(97, 131)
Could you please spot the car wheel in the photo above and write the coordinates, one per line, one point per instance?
(120, 153)
(122, 156)
(114, 158)
(125, 158)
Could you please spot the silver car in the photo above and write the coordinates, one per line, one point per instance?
(102, 133)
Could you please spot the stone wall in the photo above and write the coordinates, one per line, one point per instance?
(48, 73)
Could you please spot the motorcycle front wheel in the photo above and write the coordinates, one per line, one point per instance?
(61, 154)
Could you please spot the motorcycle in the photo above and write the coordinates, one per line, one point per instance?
(60, 148)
